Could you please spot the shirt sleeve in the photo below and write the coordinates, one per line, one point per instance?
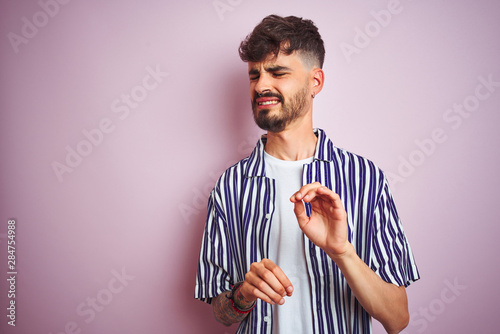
(391, 258)
(212, 278)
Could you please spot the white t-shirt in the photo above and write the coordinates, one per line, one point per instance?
(287, 249)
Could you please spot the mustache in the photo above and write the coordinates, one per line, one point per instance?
(267, 94)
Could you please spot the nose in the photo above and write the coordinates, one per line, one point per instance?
(262, 85)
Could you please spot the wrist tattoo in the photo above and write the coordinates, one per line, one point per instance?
(224, 311)
(241, 302)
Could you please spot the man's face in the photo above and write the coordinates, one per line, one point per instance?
(279, 90)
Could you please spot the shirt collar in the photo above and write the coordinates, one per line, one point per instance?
(256, 166)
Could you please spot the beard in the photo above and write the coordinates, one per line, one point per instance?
(290, 111)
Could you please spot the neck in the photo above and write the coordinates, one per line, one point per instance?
(294, 143)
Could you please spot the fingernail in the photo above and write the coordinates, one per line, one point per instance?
(282, 301)
(289, 289)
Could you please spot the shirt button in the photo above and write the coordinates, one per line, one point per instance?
(268, 215)
(267, 318)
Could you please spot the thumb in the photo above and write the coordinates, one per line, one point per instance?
(300, 213)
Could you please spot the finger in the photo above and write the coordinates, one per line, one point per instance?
(334, 197)
(280, 275)
(309, 195)
(261, 295)
(300, 213)
(324, 192)
(264, 280)
(304, 191)
(258, 288)
(296, 197)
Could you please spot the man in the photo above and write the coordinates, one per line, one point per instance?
(301, 236)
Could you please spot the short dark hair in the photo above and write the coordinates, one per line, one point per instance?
(277, 34)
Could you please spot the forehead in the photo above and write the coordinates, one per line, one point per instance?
(292, 61)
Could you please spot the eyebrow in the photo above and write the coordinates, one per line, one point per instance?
(275, 68)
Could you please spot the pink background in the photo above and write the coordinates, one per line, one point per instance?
(136, 202)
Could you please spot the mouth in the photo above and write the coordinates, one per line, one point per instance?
(266, 102)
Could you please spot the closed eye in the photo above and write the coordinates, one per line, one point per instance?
(254, 74)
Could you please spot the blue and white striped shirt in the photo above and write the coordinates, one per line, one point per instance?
(237, 230)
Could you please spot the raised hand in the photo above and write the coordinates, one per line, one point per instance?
(327, 225)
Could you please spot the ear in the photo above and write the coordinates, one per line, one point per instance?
(318, 79)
